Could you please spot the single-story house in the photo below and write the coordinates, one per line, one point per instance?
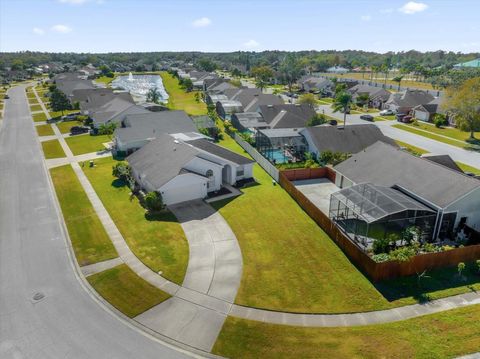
(115, 111)
(217, 85)
(425, 112)
(406, 101)
(248, 121)
(139, 129)
(290, 139)
(68, 87)
(286, 115)
(377, 95)
(316, 84)
(186, 170)
(345, 139)
(450, 195)
(244, 100)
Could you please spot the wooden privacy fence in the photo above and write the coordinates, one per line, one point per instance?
(257, 156)
(376, 271)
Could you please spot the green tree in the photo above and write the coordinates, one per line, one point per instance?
(291, 70)
(464, 102)
(460, 268)
(380, 245)
(263, 75)
(206, 64)
(153, 95)
(122, 171)
(153, 201)
(59, 101)
(363, 99)
(308, 99)
(318, 119)
(398, 80)
(342, 103)
(186, 84)
(107, 128)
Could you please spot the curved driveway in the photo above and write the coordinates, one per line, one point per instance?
(34, 258)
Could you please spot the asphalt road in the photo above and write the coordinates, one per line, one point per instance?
(67, 322)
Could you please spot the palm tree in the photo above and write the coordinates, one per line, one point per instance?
(342, 103)
(153, 95)
(398, 79)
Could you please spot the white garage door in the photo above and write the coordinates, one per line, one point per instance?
(183, 193)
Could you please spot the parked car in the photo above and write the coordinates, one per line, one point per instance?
(407, 119)
(387, 113)
(400, 116)
(333, 122)
(77, 130)
(6, 97)
(367, 118)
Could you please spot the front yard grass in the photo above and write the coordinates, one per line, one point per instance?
(65, 127)
(81, 144)
(90, 242)
(443, 335)
(290, 264)
(181, 100)
(45, 130)
(467, 168)
(126, 291)
(39, 117)
(159, 241)
(36, 107)
(52, 149)
(451, 132)
(417, 151)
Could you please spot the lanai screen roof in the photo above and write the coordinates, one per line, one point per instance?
(372, 203)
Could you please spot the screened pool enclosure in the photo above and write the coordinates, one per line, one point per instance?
(367, 212)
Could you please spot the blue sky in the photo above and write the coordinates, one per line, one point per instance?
(230, 25)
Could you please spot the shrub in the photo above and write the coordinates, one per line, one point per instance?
(382, 257)
(153, 201)
(318, 119)
(402, 254)
(122, 171)
(381, 245)
(440, 120)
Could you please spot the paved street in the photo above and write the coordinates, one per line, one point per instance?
(45, 312)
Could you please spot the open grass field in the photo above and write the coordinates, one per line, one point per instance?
(39, 117)
(90, 242)
(34, 108)
(444, 335)
(181, 100)
(433, 136)
(290, 264)
(45, 130)
(52, 149)
(81, 144)
(126, 291)
(158, 241)
(65, 127)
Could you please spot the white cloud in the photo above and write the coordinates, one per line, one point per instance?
(63, 29)
(251, 44)
(413, 7)
(202, 22)
(366, 17)
(38, 31)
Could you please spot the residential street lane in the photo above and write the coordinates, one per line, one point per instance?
(63, 320)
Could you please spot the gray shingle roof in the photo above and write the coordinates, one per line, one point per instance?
(286, 115)
(219, 151)
(410, 98)
(373, 92)
(161, 160)
(385, 165)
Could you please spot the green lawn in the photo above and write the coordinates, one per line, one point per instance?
(104, 80)
(433, 136)
(385, 118)
(451, 132)
(39, 117)
(45, 130)
(158, 241)
(181, 100)
(33, 101)
(467, 168)
(290, 264)
(89, 239)
(417, 151)
(444, 335)
(54, 114)
(81, 144)
(126, 291)
(52, 149)
(65, 127)
(34, 108)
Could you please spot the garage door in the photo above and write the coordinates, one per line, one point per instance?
(184, 193)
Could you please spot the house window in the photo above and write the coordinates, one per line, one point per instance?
(209, 173)
(240, 172)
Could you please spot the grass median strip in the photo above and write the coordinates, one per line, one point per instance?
(34, 108)
(39, 117)
(90, 242)
(86, 143)
(45, 130)
(52, 149)
(417, 151)
(126, 291)
(158, 241)
(443, 335)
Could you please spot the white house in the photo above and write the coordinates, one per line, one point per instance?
(186, 170)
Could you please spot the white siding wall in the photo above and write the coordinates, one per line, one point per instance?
(201, 166)
(468, 206)
(342, 182)
(183, 188)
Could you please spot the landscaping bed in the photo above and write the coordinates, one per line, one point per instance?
(90, 242)
(126, 291)
(158, 241)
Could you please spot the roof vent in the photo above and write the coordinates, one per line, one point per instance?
(176, 141)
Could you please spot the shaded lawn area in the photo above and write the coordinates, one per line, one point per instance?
(89, 239)
(81, 144)
(181, 100)
(65, 127)
(39, 117)
(54, 114)
(126, 291)
(44, 130)
(290, 264)
(35, 108)
(433, 136)
(443, 335)
(52, 149)
(158, 242)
